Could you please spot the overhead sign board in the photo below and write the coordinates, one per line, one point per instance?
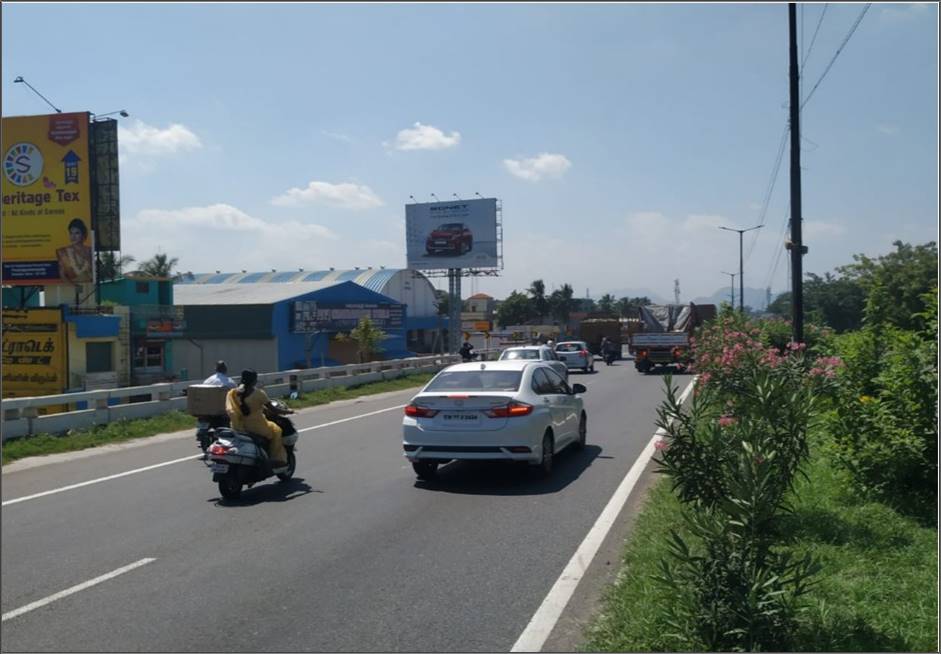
(47, 226)
(458, 234)
(310, 316)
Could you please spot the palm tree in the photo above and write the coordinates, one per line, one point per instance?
(561, 303)
(159, 266)
(606, 303)
(111, 266)
(538, 292)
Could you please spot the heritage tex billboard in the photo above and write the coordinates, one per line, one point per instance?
(458, 234)
(34, 352)
(47, 224)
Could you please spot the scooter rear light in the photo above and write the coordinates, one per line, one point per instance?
(511, 410)
(418, 411)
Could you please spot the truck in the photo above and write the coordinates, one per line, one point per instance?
(664, 338)
(593, 330)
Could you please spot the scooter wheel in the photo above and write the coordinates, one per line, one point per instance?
(230, 488)
(292, 463)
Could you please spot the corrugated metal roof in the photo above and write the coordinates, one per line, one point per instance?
(349, 275)
(251, 278)
(284, 276)
(378, 279)
(372, 278)
(257, 293)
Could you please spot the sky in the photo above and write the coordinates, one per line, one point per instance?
(618, 137)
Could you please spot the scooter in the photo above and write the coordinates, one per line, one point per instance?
(609, 358)
(241, 459)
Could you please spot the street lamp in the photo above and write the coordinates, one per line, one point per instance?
(123, 113)
(732, 286)
(20, 80)
(741, 265)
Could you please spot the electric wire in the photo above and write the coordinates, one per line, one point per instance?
(770, 190)
(813, 39)
(837, 53)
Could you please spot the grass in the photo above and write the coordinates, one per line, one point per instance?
(124, 430)
(878, 590)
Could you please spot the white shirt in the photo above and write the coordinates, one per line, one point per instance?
(220, 379)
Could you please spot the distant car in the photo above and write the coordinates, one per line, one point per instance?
(536, 353)
(450, 238)
(519, 410)
(575, 354)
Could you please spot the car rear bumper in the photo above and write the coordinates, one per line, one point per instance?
(468, 453)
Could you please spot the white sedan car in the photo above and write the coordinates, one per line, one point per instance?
(498, 411)
(575, 354)
(536, 353)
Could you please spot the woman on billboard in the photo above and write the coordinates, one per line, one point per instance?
(75, 259)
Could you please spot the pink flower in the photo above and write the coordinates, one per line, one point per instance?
(797, 347)
(661, 445)
(727, 421)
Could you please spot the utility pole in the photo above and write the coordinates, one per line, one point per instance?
(676, 291)
(731, 286)
(796, 244)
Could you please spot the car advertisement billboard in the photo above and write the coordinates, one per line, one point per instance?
(47, 227)
(458, 234)
(34, 352)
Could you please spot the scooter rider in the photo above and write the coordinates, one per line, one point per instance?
(245, 405)
(221, 377)
(466, 351)
(607, 350)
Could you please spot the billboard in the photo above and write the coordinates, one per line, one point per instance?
(35, 359)
(107, 210)
(458, 234)
(47, 227)
(311, 316)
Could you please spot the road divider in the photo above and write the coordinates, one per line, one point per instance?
(74, 589)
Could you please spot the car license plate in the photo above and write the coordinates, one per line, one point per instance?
(457, 418)
(220, 467)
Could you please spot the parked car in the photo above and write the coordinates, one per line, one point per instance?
(575, 354)
(519, 410)
(536, 353)
(450, 238)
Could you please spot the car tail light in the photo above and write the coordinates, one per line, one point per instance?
(512, 410)
(417, 411)
(677, 352)
(584, 353)
(641, 354)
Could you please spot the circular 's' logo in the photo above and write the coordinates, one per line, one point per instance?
(22, 164)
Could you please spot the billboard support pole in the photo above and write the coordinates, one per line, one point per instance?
(454, 310)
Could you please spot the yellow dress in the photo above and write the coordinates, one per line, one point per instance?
(75, 263)
(255, 422)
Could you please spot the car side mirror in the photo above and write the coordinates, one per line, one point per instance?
(578, 389)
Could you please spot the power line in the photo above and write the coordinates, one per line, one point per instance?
(770, 189)
(813, 39)
(777, 259)
(837, 53)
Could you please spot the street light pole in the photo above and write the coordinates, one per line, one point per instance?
(20, 80)
(731, 286)
(741, 265)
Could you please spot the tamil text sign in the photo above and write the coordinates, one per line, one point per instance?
(310, 316)
(459, 234)
(47, 237)
(34, 352)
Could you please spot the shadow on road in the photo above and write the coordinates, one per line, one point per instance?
(272, 491)
(660, 371)
(496, 478)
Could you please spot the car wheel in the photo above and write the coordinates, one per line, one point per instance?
(425, 470)
(548, 449)
(582, 432)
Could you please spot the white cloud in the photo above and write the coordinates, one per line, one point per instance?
(891, 130)
(542, 166)
(344, 196)
(424, 137)
(145, 139)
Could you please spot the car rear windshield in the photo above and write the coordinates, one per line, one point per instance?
(476, 380)
(520, 354)
(569, 347)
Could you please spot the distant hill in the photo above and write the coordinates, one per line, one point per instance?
(756, 298)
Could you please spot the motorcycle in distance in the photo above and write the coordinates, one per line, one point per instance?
(241, 459)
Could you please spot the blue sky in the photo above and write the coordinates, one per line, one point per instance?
(618, 137)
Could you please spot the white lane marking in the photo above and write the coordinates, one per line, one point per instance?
(536, 633)
(363, 415)
(167, 463)
(99, 480)
(74, 589)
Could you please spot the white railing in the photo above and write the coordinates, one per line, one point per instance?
(21, 415)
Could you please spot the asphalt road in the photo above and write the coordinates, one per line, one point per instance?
(354, 554)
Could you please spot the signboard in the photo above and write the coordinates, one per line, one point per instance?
(35, 360)
(310, 316)
(107, 214)
(47, 227)
(459, 234)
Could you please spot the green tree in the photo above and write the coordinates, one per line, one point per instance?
(442, 302)
(516, 309)
(562, 303)
(367, 338)
(160, 266)
(111, 267)
(895, 284)
(607, 303)
(540, 304)
(837, 302)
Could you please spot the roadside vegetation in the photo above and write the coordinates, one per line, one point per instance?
(125, 430)
(798, 509)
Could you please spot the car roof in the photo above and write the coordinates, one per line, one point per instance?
(512, 364)
(525, 347)
(567, 342)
